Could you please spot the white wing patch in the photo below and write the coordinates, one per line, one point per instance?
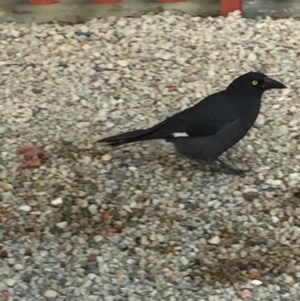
(180, 135)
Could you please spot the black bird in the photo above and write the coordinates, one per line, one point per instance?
(212, 126)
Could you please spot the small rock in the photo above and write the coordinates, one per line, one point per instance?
(250, 194)
(254, 274)
(11, 261)
(184, 260)
(81, 241)
(288, 279)
(102, 116)
(15, 33)
(294, 176)
(3, 172)
(27, 173)
(252, 57)
(93, 209)
(81, 146)
(92, 257)
(106, 157)
(256, 282)
(260, 121)
(282, 130)
(87, 160)
(191, 255)
(7, 196)
(61, 225)
(180, 60)
(10, 282)
(50, 294)
(122, 63)
(18, 267)
(25, 208)
(83, 203)
(215, 240)
(98, 238)
(274, 182)
(245, 294)
(7, 186)
(57, 201)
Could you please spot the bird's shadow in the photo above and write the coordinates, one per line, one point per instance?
(230, 271)
(173, 161)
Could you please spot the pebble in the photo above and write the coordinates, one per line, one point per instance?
(106, 157)
(50, 294)
(18, 267)
(102, 116)
(61, 225)
(245, 294)
(57, 201)
(184, 260)
(252, 57)
(15, 33)
(98, 238)
(10, 282)
(3, 172)
(250, 193)
(260, 121)
(256, 282)
(288, 279)
(214, 240)
(122, 63)
(7, 186)
(25, 208)
(93, 209)
(180, 60)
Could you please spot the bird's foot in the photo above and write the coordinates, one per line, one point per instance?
(227, 169)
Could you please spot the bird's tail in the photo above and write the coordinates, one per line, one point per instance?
(129, 137)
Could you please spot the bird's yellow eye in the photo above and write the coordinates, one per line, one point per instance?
(254, 82)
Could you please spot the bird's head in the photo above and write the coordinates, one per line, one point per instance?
(256, 83)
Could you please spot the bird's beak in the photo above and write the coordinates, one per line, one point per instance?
(273, 84)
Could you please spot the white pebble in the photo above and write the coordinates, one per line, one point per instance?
(61, 225)
(25, 208)
(288, 279)
(57, 201)
(18, 267)
(122, 63)
(256, 282)
(294, 176)
(10, 282)
(180, 60)
(252, 57)
(132, 168)
(98, 238)
(215, 240)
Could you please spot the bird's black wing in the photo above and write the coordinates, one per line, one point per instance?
(204, 119)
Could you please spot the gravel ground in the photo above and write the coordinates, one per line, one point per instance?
(140, 222)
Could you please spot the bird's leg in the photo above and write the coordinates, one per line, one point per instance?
(222, 166)
(230, 169)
